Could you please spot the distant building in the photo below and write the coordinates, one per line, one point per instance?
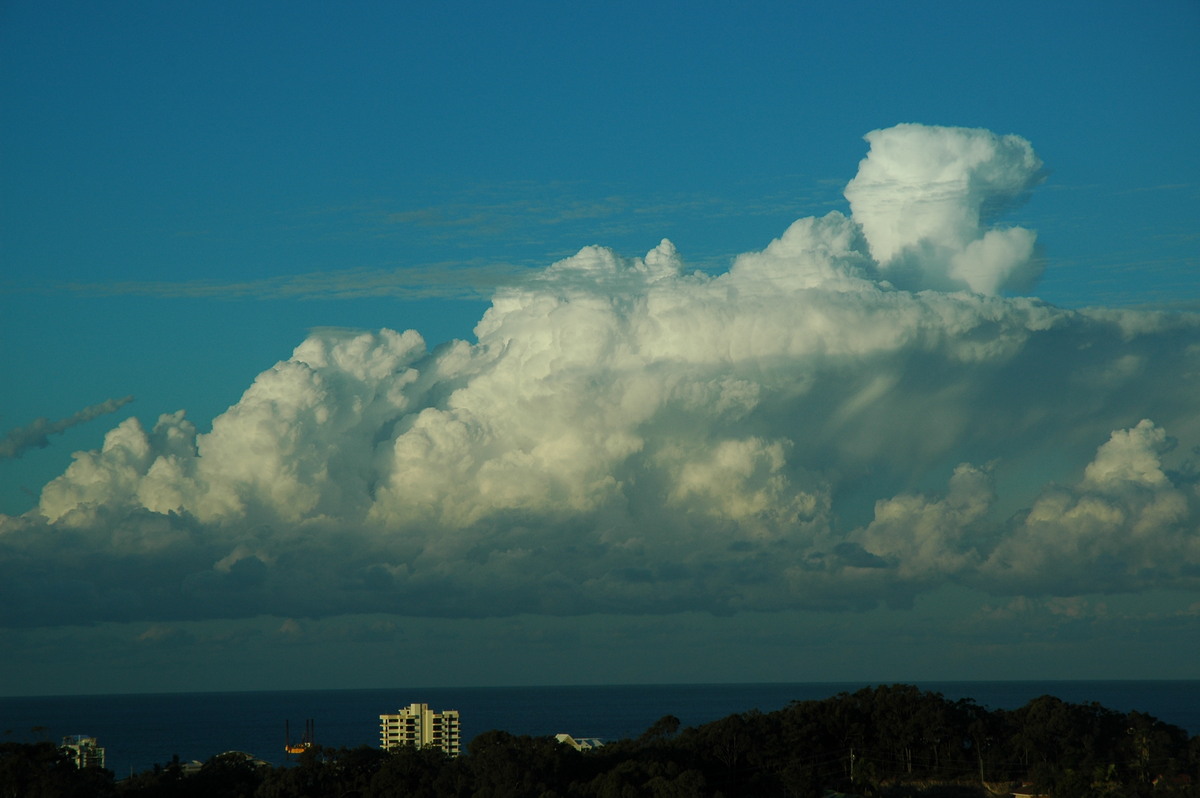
(230, 757)
(579, 743)
(83, 751)
(421, 727)
(243, 757)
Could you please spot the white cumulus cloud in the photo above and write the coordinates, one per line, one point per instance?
(925, 197)
(849, 416)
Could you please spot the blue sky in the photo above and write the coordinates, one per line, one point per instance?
(189, 192)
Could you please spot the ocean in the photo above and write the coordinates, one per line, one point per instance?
(139, 731)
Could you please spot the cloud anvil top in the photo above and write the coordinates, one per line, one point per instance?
(864, 411)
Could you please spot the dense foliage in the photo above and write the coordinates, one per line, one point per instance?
(885, 742)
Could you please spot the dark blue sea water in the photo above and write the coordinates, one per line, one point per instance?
(141, 730)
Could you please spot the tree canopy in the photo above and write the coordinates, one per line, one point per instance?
(891, 741)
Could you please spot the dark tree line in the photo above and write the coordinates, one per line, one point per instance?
(883, 742)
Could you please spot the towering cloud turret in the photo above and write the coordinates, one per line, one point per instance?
(925, 197)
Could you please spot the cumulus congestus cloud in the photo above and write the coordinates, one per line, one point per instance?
(853, 415)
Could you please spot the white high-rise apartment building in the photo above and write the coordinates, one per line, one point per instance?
(83, 751)
(419, 726)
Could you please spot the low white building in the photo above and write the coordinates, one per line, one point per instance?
(579, 743)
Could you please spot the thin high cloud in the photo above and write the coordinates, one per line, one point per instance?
(539, 221)
(37, 434)
(473, 279)
(857, 414)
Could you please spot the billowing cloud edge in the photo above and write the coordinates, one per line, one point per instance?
(629, 436)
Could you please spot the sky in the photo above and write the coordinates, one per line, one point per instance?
(596, 343)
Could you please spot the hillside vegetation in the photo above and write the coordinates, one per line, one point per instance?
(883, 742)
